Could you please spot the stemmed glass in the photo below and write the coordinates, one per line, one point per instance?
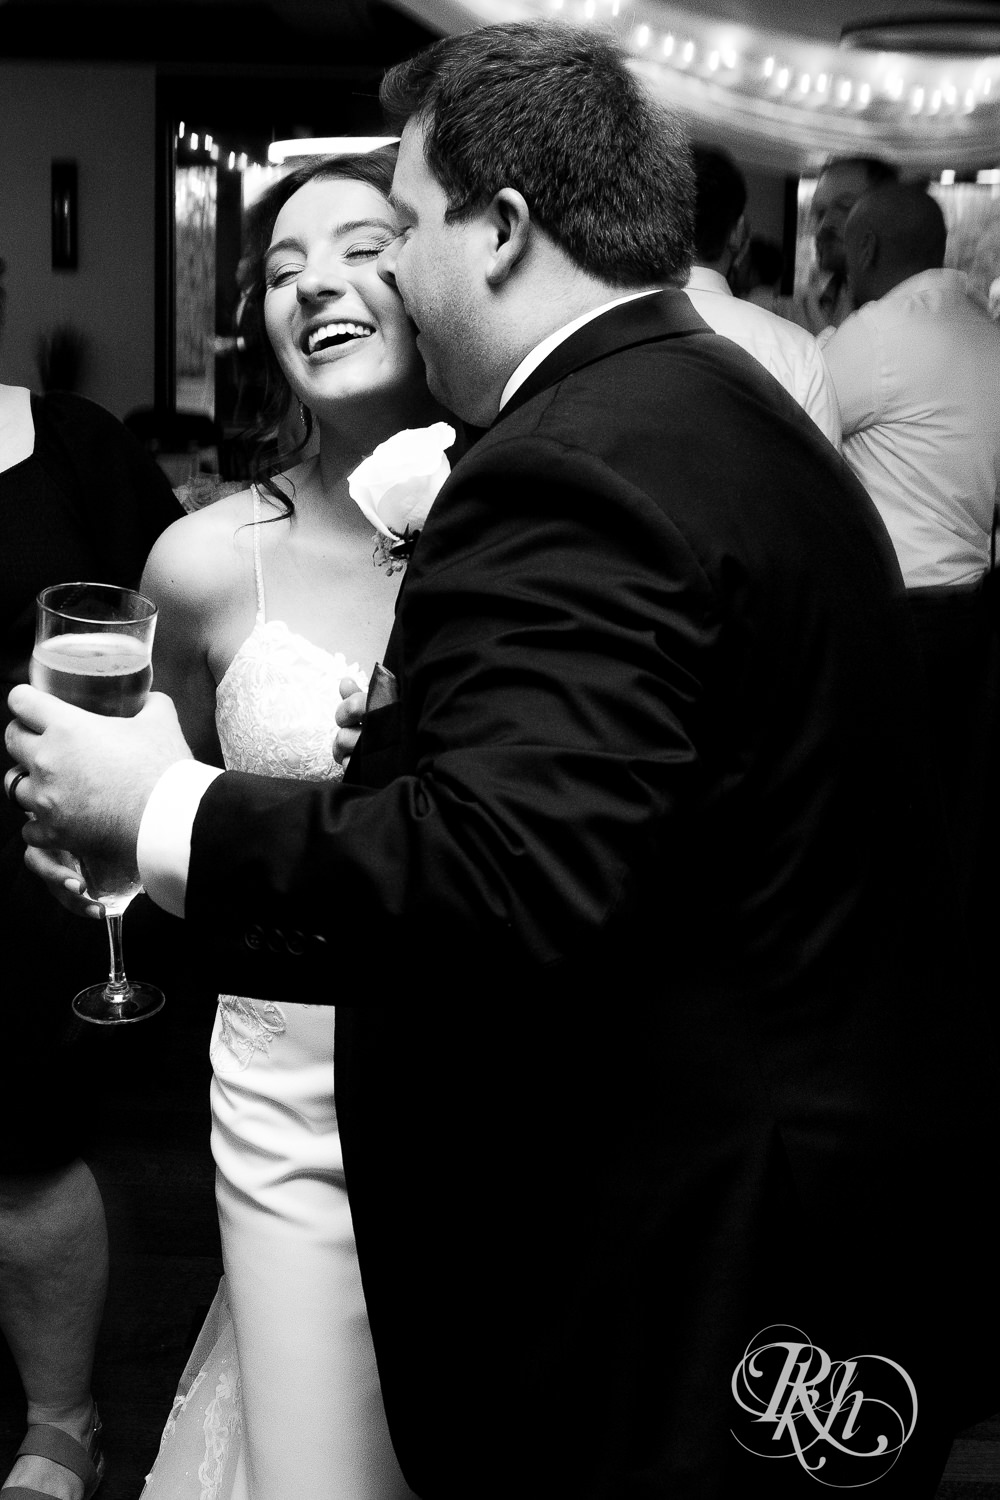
(93, 646)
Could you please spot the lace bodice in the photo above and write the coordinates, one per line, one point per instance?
(275, 706)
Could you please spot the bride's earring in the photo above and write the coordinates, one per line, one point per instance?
(303, 415)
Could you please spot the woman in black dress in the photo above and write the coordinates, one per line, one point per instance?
(79, 499)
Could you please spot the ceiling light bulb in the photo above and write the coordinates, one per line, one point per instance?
(642, 36)
(768, 66)
(687, 52)
(782, 78)
(668, 45)
(864, 94)
(822, 83)
(844, 92)
(713, 62)
(805, 83)
(917, 98)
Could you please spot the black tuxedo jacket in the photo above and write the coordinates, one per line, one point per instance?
(651, 1030)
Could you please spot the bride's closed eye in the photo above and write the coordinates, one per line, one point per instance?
(366, 252)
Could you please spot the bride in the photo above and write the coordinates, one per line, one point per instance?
(268, 598)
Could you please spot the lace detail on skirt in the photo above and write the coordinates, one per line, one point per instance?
(247, 1027)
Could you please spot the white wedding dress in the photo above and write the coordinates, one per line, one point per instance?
(280, 1399)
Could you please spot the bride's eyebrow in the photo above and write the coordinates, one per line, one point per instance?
(356, 224)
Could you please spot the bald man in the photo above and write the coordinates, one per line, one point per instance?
(917, 371)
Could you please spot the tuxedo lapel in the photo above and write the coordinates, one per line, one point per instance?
(662, 315)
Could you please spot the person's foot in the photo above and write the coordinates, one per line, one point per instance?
(45, 1475)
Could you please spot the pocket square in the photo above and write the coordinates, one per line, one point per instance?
(382, 689)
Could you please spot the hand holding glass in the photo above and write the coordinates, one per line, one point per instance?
(93, 647)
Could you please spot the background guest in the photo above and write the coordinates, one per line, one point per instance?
(80, 499)
(917, 371)
(826, 300)
(789, 353)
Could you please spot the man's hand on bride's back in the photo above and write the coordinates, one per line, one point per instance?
(350, 716)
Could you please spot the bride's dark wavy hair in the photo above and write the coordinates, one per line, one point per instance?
(269, 455)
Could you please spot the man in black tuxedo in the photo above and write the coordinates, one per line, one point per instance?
(658, 1077)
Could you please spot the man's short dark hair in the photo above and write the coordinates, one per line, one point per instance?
(554, 112)
(720, 198)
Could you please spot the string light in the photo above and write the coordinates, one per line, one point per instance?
(712, 54)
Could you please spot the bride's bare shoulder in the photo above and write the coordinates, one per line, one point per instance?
(203, 552)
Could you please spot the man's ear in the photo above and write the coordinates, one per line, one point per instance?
(510, 220)
(867, 251)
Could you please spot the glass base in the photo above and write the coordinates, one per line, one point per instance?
(103, 1006)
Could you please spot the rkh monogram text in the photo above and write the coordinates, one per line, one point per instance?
(825, 1413)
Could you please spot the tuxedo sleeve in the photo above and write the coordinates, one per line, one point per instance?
(551, 643)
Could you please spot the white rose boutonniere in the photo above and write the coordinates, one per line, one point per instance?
(397, 486)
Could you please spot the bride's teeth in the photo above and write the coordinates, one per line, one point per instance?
(338, 330)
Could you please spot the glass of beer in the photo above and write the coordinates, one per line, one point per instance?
(93, 648)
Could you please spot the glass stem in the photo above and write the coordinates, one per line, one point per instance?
(118, 986)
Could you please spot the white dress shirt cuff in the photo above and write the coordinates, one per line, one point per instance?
(163, 851)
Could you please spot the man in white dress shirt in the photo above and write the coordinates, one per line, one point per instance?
(788, 352)
(917, 372)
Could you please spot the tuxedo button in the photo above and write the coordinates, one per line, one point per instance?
(276, 940)
(317, 940)
(254, 937)
(296, 943)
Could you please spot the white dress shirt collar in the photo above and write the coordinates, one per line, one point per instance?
(541, 351)
(17, 427)
(704, 279)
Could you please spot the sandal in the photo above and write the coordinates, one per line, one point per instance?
(45, 1441)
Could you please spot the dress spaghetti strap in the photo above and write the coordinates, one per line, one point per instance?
(257, 565)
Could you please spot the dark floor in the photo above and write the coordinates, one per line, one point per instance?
(151, 1157)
